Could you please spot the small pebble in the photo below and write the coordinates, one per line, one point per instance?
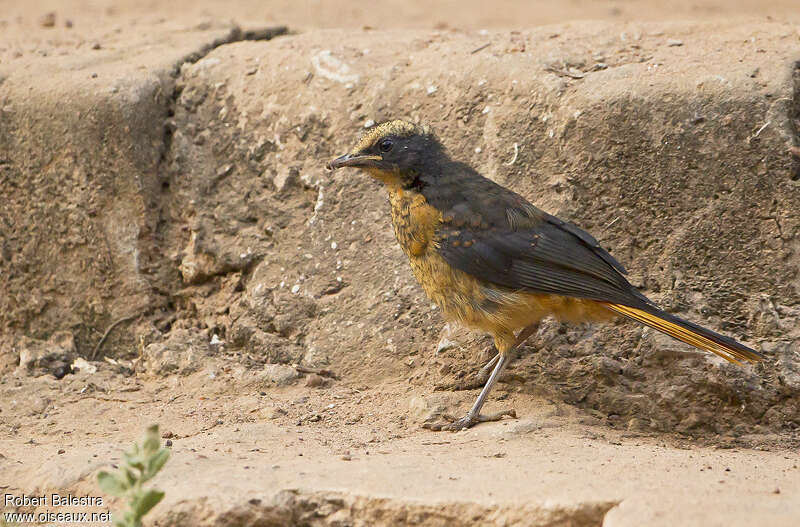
(674, 42)
(61, 371)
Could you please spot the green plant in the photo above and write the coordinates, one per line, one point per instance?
(141, 464)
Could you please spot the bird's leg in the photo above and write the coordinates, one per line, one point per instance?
(522, 337)
(504, 344)
(483, 372)
(474, 415)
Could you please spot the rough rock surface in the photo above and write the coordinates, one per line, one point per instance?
(80, 167)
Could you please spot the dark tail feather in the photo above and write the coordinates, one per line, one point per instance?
(687, 332)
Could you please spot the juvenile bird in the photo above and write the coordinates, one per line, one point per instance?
(493, 262)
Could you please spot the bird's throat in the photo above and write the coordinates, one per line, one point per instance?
(392, 179)
(414, 220)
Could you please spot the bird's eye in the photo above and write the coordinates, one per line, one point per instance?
(386, 145)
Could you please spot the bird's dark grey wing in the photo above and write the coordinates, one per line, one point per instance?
(494, 234)
(544, 255)
(587, 239)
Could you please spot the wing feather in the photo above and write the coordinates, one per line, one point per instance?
(494, 234)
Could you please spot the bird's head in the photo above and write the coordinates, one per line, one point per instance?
(394, 152)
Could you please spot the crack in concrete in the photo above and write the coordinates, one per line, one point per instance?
(236, 34)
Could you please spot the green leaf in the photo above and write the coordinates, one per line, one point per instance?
(147, 501)
(129, 476)
(134, 460)
(155, 463)
(111, 484)
(143, 461)
(152, 441)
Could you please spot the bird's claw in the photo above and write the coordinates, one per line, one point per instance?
(454, 425)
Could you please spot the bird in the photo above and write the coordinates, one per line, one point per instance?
(493, 262)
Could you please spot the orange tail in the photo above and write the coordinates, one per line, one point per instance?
(687, 332)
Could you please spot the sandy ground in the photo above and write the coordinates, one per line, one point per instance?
(394, 14)
(232, 444)
(345, 452)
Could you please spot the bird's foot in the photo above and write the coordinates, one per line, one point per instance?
(468, 421)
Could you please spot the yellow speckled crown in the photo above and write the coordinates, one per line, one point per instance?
(397, 127)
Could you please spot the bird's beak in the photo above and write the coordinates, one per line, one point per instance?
(351, 160)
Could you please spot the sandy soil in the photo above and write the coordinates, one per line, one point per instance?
(464, 14)
(233, 444)
(257, 445)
